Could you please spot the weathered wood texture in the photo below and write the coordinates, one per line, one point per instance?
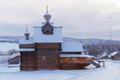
(15, 60)
(48, 62)
(48, 55)
(73, 66)
(26, 46)
(28, 61)
(48, 48)
(75, 62)
(116, 57)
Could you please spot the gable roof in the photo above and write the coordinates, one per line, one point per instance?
(24, 41)
(114, 53)
(71, 46)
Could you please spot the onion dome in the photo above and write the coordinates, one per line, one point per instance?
(47, 16)
(27, 34)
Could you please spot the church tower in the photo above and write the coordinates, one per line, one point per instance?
(47, 28)
(27, 52)
(47, 39)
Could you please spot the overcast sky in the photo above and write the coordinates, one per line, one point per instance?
(79, 18)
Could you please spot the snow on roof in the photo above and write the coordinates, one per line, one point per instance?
(1, 52)
(27, 49)
(75, 55)
(24, 41)
(71, 46)
(49, 38)
(104, 54)
(114, 53)
(13, 55)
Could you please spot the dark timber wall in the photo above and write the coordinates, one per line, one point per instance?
(26, 46)
(28, 61)
(48, 55)
(15, 60)
(72, 63)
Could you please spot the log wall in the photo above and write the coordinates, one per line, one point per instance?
(28, 61)
(26, 46)
(48, 55)
(75, 62)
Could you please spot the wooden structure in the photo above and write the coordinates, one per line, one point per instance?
(14, 60)
(101, 63)
(96, 64)
(74, 61)
(48, 55)
(115, 56)
(46, 48)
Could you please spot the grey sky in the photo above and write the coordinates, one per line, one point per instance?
(79, 18)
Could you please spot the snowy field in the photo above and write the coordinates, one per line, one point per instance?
(8, 46)
(110, 72)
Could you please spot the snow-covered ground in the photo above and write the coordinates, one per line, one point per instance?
(8, 46)
(110, 72)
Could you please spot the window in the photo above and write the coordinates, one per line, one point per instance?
(44, 58)
(74, 60)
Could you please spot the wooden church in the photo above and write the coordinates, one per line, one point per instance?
(48, 50)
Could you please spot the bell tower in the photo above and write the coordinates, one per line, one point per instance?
(47, 39)
(47, 28)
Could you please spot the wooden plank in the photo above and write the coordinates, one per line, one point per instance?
(48, 45)
(27, 46)
(28, 61)
(73, 66)
(75, 60)
(48, 62)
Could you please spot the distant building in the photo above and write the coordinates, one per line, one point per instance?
(104, 55)
(14, 59)
(1, 53)
(47, 50)
(115, 56)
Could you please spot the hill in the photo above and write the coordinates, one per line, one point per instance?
(97, 47)
(93, 46)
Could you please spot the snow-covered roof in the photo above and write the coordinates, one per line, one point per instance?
(114, 53)
(27, 49)
(13, 55)
(1, 52)
(49, 38)
(72, 46)
(104, 54)
(75, 55)
(24, 41)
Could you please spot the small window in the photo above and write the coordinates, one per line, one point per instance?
(44, 58)
(75, 60)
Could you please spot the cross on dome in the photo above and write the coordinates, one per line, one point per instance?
(47, 16)
(47, 28)
(27, 34)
